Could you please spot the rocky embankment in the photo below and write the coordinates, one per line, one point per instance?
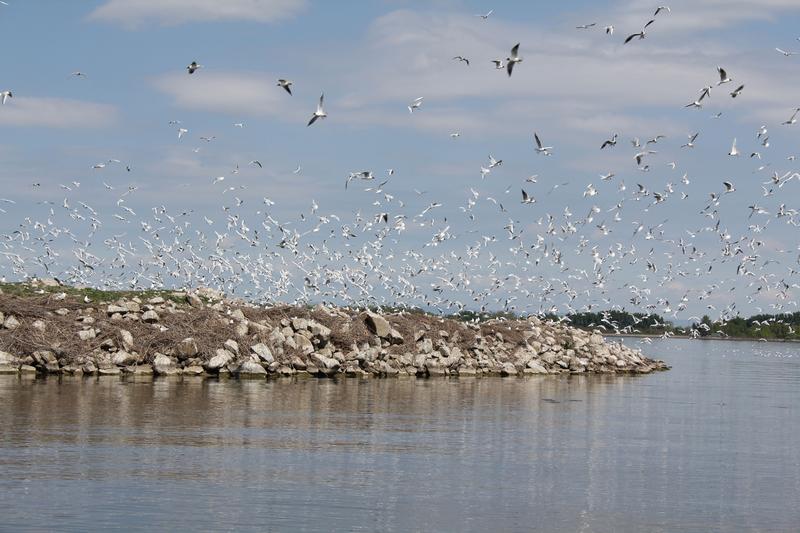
(201, 333)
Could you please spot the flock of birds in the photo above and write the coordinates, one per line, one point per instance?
(401, 249)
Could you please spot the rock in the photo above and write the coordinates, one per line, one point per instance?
(222, 358)
(299, 324)
(298, 364)
(8, 369)
(232, 346)
(508, 369)
(194, 301)
(28, 369)
(250, 369)
(241, 329)
(394, 337)
(61, 311)
(8, 359)
(126, 338)
(150, 317)
(187, 348)
(123, 358)
(534, 367)
(263, 352)
(11, 322)
(193, 370)
(143, 370)
(45, 358)
(113, 371)
(156, 300)
(39, 326)
(319, 331)
(86, 334)
(132, 307)
(114, 309)
(303, 344)
(323, 362)
(377, 324)
(164, 365)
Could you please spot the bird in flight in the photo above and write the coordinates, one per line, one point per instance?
(586, 26)
(723, 76)
(6, 95)
(193, 67)
(487, 15)
(640, 34)
(737, 91)
(786, 52)
(515, 58)
(286, 84)
(320, 112)
(415, 104)
(539, 148)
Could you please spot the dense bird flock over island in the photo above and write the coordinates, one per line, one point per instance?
(405, 248)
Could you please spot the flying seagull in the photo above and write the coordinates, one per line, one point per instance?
(539, 148)
(6, 95)
(662, 8)
(526, 199)
(786, 52)
(793, 118)
(734, 151)
(640, 34)
(193, 66)
(586, 26)
(319, 113)
(487, 15)
(415, 104)
(723, 76)
(737, 91)
(286, 84)
(510, 61)
(462, 59)
(728, 187)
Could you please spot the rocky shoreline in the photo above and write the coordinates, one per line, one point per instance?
(201, 333)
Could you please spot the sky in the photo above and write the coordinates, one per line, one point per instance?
(575, 88)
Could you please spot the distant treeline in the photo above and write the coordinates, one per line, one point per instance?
(766, 326)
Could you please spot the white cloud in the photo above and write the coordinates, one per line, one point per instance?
(169, 12)
(238, 94)
(56, 113)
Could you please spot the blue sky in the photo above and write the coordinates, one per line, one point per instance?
(575, 88)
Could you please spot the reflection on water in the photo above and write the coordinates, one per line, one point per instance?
(711, 445)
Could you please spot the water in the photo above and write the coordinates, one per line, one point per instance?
(712, 445)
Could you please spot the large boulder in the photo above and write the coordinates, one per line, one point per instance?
(123, 358)
(377, 324)
(250, 369)
(263, 352)
(222, 358)
(164, 365)
(187, 348)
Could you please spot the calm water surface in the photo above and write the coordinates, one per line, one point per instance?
(712, 445)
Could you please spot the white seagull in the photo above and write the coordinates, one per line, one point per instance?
(734, 151)
(192, 67)
(515, 58)
(6, 95)
(539, 148)
(320, 112)
(415, 104)
(286, 84)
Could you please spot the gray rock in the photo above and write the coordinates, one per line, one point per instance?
(116, 309)
(113, 371)
(222, 358)
(11, 322)
(8, 359)
(377, 324)
(8, 369)
(327, 363)
(150, 317)
(299, 324)
(39, 326)
(232, 346)
(263, 352)
(187, 348)
(394, 337)
(164, 365)
(44, 358)
(87, 334)
(508, 369)
(123, 358)
(251, 369)
(319, 331)
(303, 344)
(534, 367)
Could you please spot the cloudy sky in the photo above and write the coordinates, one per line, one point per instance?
(575, 87)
